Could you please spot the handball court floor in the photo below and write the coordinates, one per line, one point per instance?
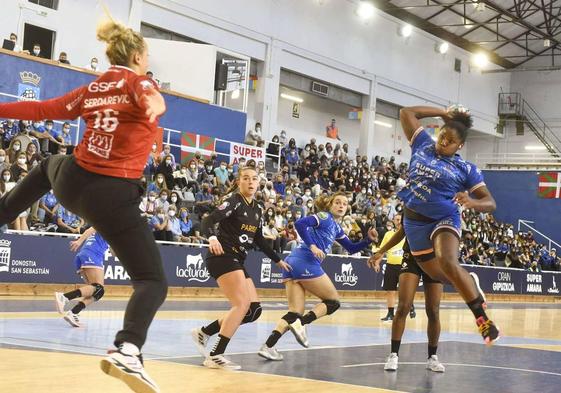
(40, 352)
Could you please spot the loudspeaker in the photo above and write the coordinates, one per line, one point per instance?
(458, 65)
(221, 77)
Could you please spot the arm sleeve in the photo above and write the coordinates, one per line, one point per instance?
(420, 139)
(474, 178)
(351, 247)
(141, 85)
(302, 226)
(66, 107)
(225, 210)
(265, 246)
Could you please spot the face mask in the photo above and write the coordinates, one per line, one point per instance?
(154, 147)
(173, 199)
(66, 130)
(164, 197)
(168, 162)
(257, 129)
(151, 198)
(288, 203)
(192, 167)
(223, 167)
(160, 180)
(161, 216)
(49, 127)
(21, 160)
(171, 213)
(269, 187)
(36, 52)
(208, 168)
(271, 201)
(2, 159)
(309, 205)
(308, 193)
(7, 178)
(94, 65)
(183, 171)
(183, 215)
(363, 191)
(230, 170)
(289, 193)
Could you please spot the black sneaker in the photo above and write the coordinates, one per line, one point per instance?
(489, 331)
(387, 318)
(412, 313)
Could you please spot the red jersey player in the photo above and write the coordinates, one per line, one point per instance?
(100, 182)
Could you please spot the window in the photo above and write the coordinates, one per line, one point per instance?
(52, 4)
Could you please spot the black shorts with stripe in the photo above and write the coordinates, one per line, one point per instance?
(219, 265)
(409, 265)
(391, 277)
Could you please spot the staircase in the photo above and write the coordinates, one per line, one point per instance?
(513, 107)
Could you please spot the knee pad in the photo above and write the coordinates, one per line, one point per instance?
(290, 317)
(99, 291)
(253, 313)
(332, 306)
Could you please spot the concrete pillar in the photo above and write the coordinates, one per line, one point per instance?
(367, 127)
(268, 92)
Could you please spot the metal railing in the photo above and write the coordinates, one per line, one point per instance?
(526, 223)
(517, 160)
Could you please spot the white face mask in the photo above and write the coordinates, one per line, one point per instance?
(171, 213)
(193, 167)
(7, 178)
(151, 198)
(173, 199)
(21, 160)
(164, 197)
(183, 171)
(16, 147)
(49, 127)
(36, 52)
(66, 130)
(154, 147)
(2, 159)
(159, 180)
(308, 193)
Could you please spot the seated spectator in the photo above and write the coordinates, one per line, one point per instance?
(221, 174)
(93, 65)
(173, 229)
(6, 181)
(279, 185)
(254, 137)
(271, 235)
(203, 200)
(273, 149)
(158, 223)
(283, 138)
(331, 131)
(68, 222)
(8, 130)
(19, 165)
(534, 267)
(48, 207)
(36, 52)
(175, 199)
(290, 155)
(148, 205)
(39, 131)
(166, 168)
(207, 174)
(186, 226)
(162, 201)
(158, 185)
(63, 150)
(13, 151)
(289, 237)
(32, 157)
(14, 39)
(166, 152)
(63, 58)
(4, 163)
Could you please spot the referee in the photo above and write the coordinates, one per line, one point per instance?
(393, 268)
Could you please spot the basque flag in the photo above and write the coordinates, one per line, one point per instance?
(549, 185)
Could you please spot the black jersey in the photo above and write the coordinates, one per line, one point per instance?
(239, 227)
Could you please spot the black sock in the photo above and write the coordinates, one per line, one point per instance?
(78, 307)
(220, 346)
(273, 338)
(390, 311)
(395, 346)
(432, 350)
(212, 328)
(412, 308)
(476, 307)
(308, 318)
(73, 294)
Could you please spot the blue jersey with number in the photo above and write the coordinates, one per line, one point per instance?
(434, 180)
(325, 233)
(94, 247)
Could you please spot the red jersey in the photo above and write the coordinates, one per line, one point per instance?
(118, 135)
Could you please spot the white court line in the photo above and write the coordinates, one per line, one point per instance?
(58, 350)
(458, 364)
(286, 350)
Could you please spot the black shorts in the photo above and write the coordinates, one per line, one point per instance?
(219, 265)
(391, 277)
(409, 265)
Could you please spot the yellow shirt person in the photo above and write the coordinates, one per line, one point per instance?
(395, 254)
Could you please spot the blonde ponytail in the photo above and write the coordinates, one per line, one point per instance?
(122, 42)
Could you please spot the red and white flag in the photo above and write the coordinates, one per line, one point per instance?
(549, 185)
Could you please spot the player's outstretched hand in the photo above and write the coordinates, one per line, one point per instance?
(374, 261)
(317, 252)
(284, 266)
(75, 245)
(373, 234)
(215, 247)
(463, 199)
(154, 103)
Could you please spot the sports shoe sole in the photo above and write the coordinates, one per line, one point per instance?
(214, 366)
(390, 369)
(136, 384)
(59, 307)
(491, 343)
(265, 355)
(71, 321)
(200, 347)
(476, 281)
(298, 337)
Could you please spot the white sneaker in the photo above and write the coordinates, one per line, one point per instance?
(200, 339)
(391, 363)
(60, 302)
(269, 353)
(476, 281)
(434, 364)
(299, 332)
(219, 361)
(130, 370)
(72, 319)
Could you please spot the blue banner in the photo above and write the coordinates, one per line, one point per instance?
(48, 259)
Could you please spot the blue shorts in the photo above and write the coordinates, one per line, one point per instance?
(305, 266)
(88, 261)
(419, 234)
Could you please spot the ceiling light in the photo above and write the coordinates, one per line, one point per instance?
(292, 98)
(383, 124)
(480, 60)
(546, 43)
(405, 30)
(365, 10)
(442, 48)
(480, 7)
(468, 25)
(236, 94)
(533, 147)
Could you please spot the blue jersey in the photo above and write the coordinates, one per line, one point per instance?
(94, 247)
(434, 180)
(324, 233)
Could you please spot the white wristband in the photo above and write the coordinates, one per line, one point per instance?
(212, 238)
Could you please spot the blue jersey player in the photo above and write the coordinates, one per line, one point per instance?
(439, 181)
(89, 264)
(318, 233)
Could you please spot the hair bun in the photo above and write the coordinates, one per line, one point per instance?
(251, 164)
